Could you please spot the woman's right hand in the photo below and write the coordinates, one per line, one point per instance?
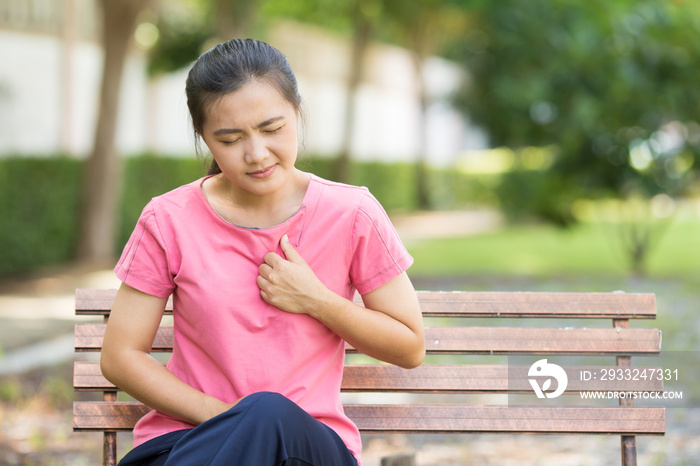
(127, 363)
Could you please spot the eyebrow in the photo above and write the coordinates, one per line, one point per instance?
(222, 131)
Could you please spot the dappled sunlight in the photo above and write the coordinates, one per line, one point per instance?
(503, 159)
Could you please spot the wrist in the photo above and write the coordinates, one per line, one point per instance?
(212, 408)
(326, 301)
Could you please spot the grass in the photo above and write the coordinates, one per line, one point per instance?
(541, 250)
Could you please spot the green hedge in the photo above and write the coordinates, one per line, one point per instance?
(40, 198)
(39, 208)
(40, 202)
(148, 176)
(536, 194)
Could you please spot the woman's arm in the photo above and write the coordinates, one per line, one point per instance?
(389, 327)
(127, 363)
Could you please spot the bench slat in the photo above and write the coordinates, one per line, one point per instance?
(472, 340)
(473, 304)
(473, 379)
(505, 419)
(120, 416)
(423, 379)
(89, 337)
(538, 304)
(550, 341)
(107, 415)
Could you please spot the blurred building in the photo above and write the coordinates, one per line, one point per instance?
(51, 61)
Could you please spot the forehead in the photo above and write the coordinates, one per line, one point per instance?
(251, 104)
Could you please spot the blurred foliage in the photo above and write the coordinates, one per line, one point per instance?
(148, 176)
(11, 390)
(39, 207)
(183, 30)
(612, 84)
(391, 183)
(40, 198)
(426, 27)
(336, 15)
(523, 194)
(57, 390)
(187, 27)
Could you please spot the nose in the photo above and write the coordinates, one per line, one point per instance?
(255, 150)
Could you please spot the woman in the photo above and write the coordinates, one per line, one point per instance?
(262, 261)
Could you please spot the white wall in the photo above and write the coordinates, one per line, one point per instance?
(42, 113)
(29, 93)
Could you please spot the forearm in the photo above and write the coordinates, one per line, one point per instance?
(370, 331)
(148, 381)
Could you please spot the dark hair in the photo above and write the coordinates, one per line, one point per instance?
(228, 67)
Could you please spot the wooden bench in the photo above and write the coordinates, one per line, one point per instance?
(446, 372)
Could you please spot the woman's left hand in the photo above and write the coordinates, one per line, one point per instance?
(389, 328)
(289, 284)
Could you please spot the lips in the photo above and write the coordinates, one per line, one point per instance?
(264, 173)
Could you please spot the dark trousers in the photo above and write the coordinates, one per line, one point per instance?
(263, 429)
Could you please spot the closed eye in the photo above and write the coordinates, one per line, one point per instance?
(271, 131)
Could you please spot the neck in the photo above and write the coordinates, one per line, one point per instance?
(247, 209)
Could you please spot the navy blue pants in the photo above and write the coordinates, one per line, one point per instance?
(263, 429)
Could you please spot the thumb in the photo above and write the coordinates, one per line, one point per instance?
(289, 252)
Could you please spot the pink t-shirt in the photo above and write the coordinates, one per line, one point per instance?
(230, 343)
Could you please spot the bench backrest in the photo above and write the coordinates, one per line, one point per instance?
(457, 324)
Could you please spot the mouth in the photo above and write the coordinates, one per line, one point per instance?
(264, 173)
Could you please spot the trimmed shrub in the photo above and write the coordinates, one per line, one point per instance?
(148, 176)
(39, 208)
(531, 194)
(40, 198)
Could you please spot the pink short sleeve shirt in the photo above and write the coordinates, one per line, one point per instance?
(230, 343)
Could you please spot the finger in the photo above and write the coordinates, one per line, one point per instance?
(289, 252)
(263, 284)
(265, 296)
(272, 259)
(264, 270)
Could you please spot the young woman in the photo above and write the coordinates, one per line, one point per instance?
(262, 261)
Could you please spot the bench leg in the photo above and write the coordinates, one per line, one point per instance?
(628, 442)
(109, 446)
(629, 450)
(399, 460)
(109, 449)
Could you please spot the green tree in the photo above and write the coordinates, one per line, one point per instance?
(610, 85)
(425, 28)
(184, 27)
(234, 18)
(187, 27)
(103, 169)
(364, 14)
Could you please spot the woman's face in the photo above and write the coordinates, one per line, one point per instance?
(252, 135)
